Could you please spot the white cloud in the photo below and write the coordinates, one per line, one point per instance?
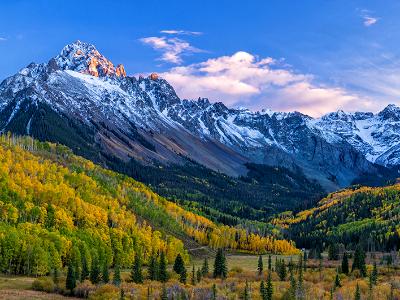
(172, 49)
(182, 32)
(368, 20)
(244, 79)
(2, 39)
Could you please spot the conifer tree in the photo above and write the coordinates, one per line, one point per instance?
(205, 268)
(269, 263)
(153, 267)
(117, 275)
(293, 286)
(136, 273)
(281, 270)
(162, 271)
(220, 268)
(199, 275)
(337, 281)
(263, 290)
(214, 292)
(357, 294)
(105, 275)
(269, 291)
(300, 263)
(70, 283)
(260, 265)
(183, 275)
(345, 264)
(300, 289)
(95, 271)
(359, 261)
(193, 279)
(178, 264)
(164, 293)
(374, 274)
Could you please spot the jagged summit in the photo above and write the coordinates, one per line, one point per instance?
(85, 58)
(390, 112)
(143, 118)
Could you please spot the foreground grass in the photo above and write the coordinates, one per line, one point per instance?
(317, 282)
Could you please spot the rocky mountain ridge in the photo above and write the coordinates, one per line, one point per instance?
(79, 98)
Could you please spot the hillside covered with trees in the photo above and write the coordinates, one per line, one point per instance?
(56, 207)
(360, 215)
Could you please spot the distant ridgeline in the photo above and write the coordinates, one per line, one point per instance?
(55, 206)
(358, 215)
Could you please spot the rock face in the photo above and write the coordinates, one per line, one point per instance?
(80, 99)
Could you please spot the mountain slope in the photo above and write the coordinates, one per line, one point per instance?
(56, 205)
(80, 99)
(365, 215)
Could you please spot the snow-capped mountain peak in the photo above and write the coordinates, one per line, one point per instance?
(144, 118)
(84, 58)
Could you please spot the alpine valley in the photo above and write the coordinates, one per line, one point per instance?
(200, 153)
(111, 186)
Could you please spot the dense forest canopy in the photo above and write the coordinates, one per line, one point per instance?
(358, 215)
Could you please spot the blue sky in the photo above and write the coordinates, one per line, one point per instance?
(311, 56)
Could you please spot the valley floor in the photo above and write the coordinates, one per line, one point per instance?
(318, 282)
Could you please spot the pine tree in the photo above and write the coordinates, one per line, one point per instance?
(300, 263)
(269, 263)
(162, 271)
(260, 266)
(205, 268)
(183, 275)
(199, 275)
(263, 290)
(105, 275)
(269, 291)
(281, 270)
(153, 267)
(95, 271)
(70, 284)
(136, 272)
(293, 286)
(193, 279)
(374, 274)
(164, 293)
(117, 275)
(300, 289)
(178, 264)
(214, 292)
(359, 261)
(357, 294)
(345, 264)
(220, 268)
(337, 281)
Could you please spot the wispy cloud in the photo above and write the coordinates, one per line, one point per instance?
(245, 79)
(172, 49)
(368, 20)
(181, 32)
(2, 39)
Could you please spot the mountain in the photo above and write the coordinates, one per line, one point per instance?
(360, 215)
(80, 99)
